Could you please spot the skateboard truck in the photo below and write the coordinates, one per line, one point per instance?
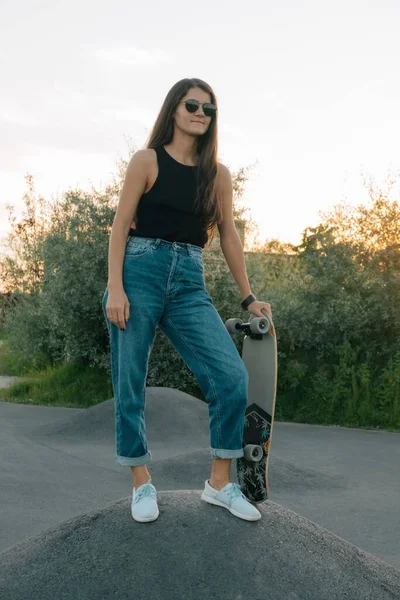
(255, 328)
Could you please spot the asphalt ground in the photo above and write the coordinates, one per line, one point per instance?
(59, 463)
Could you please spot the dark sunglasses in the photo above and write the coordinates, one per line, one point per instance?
(210, 110)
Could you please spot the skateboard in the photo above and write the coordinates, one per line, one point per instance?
(260, 358)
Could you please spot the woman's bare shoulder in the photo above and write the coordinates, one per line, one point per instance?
(145, 156)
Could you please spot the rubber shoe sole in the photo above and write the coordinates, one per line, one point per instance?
(207, 498)
(146, 519)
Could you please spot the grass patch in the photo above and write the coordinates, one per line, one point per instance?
(69, 385)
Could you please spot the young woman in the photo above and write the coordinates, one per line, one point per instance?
(174, 195)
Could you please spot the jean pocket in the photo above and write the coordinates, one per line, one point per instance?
(197, 260)
(137, 248)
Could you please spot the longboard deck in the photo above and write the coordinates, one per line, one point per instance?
(260, 358)
(252, 476)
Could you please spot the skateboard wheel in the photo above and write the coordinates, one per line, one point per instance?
(260, 325)
(253, 453)
(232, 325)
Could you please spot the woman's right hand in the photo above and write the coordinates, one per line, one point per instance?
(117, 307)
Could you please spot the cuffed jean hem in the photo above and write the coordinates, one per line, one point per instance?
(220, 453)
(134, 461)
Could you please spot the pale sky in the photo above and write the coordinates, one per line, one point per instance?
(309, 89)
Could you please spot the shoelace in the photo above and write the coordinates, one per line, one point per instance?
(144, 491)
(234, 493)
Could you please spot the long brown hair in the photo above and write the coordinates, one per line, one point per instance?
(207, 201)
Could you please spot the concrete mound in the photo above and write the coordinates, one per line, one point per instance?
(177, 428)
(176, 423)
(192, 551)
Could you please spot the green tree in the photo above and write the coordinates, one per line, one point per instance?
(21, 267)
(340, 331)
(61, 318)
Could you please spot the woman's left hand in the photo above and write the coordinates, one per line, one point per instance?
(256, 308)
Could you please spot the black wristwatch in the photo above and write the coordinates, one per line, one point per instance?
(245, 303)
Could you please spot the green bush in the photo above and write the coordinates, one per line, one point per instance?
(339, 333)
(335, 301)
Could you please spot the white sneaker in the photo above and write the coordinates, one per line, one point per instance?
(232, 498)
(144, 506)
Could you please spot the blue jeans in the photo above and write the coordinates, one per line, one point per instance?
(164, 283)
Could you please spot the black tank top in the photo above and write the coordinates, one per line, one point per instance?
(167, 210)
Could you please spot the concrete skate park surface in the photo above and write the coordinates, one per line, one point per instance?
(65, 509)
